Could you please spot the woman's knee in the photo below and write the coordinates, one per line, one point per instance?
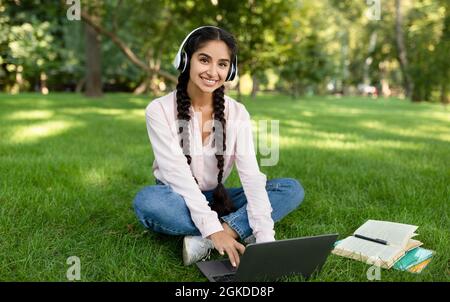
(144, 200)
(297, 191)
(293, 192)
(155, 204)
(159, 208)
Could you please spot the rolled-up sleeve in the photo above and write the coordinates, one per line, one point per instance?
(176, 171)
(253, 182)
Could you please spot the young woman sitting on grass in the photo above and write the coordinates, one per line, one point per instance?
(197, 133)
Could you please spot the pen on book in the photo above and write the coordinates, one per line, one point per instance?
(371, 239)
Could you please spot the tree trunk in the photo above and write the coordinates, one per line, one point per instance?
(402, 55)
(142, 88)
(17, 86)
(295, 90)
(344, 61)
(445, 97)
(80, 84)
(93, 62)
(255, 86)
(444, 50)
(238, 88)
(154, 88)
(385, 90)
(369, 59)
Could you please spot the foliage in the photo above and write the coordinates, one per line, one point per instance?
(309, 45)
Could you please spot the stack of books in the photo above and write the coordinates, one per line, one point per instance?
(385, 244)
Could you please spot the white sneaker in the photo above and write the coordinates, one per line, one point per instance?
(195, 248)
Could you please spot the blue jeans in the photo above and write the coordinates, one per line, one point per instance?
(162, 210)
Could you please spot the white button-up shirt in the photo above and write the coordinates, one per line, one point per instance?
(170, 165)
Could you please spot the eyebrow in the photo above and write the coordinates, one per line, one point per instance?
(208, 56)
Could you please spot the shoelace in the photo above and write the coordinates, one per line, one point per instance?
(207, 255)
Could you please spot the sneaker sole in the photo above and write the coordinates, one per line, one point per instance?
(185, 255)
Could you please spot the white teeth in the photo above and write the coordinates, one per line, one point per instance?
(209, 81)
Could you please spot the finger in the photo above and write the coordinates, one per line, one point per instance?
(219, 249)
(231, 256)
(236, 255)
(240, 247)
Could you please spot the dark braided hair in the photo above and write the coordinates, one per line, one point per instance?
(222, 202)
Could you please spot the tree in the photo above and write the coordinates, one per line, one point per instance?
(93, 62)
(258, 28)
(442, 61)
(401, 50)
(31, 54)
(147, 66)
(304, 58)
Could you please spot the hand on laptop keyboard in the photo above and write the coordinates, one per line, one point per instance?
(224, 242)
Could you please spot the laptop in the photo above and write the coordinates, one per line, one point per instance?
(270, 261)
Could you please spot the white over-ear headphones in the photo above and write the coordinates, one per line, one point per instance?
(181, 59)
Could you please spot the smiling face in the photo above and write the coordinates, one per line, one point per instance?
(209, 66)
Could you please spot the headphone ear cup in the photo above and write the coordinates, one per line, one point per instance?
(235, 67)
(183, 61)
(233, 70)
(176, 62)
(232, 73)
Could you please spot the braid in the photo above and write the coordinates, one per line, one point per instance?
(183, 104)
(222, 202)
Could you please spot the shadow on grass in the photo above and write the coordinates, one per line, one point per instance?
(77, 186)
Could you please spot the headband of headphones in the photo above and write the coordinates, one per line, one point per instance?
(181, 59)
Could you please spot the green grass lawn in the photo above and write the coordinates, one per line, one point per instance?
(70, 167)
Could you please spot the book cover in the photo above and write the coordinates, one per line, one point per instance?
(419, 267)
(412, 258)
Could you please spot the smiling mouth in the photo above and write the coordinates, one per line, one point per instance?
(209, 81)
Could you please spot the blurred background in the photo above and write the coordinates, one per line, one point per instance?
(358, 88)
(370, 47)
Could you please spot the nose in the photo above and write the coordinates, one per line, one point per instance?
(212, 71)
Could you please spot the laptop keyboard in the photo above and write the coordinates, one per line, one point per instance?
(225, 278)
